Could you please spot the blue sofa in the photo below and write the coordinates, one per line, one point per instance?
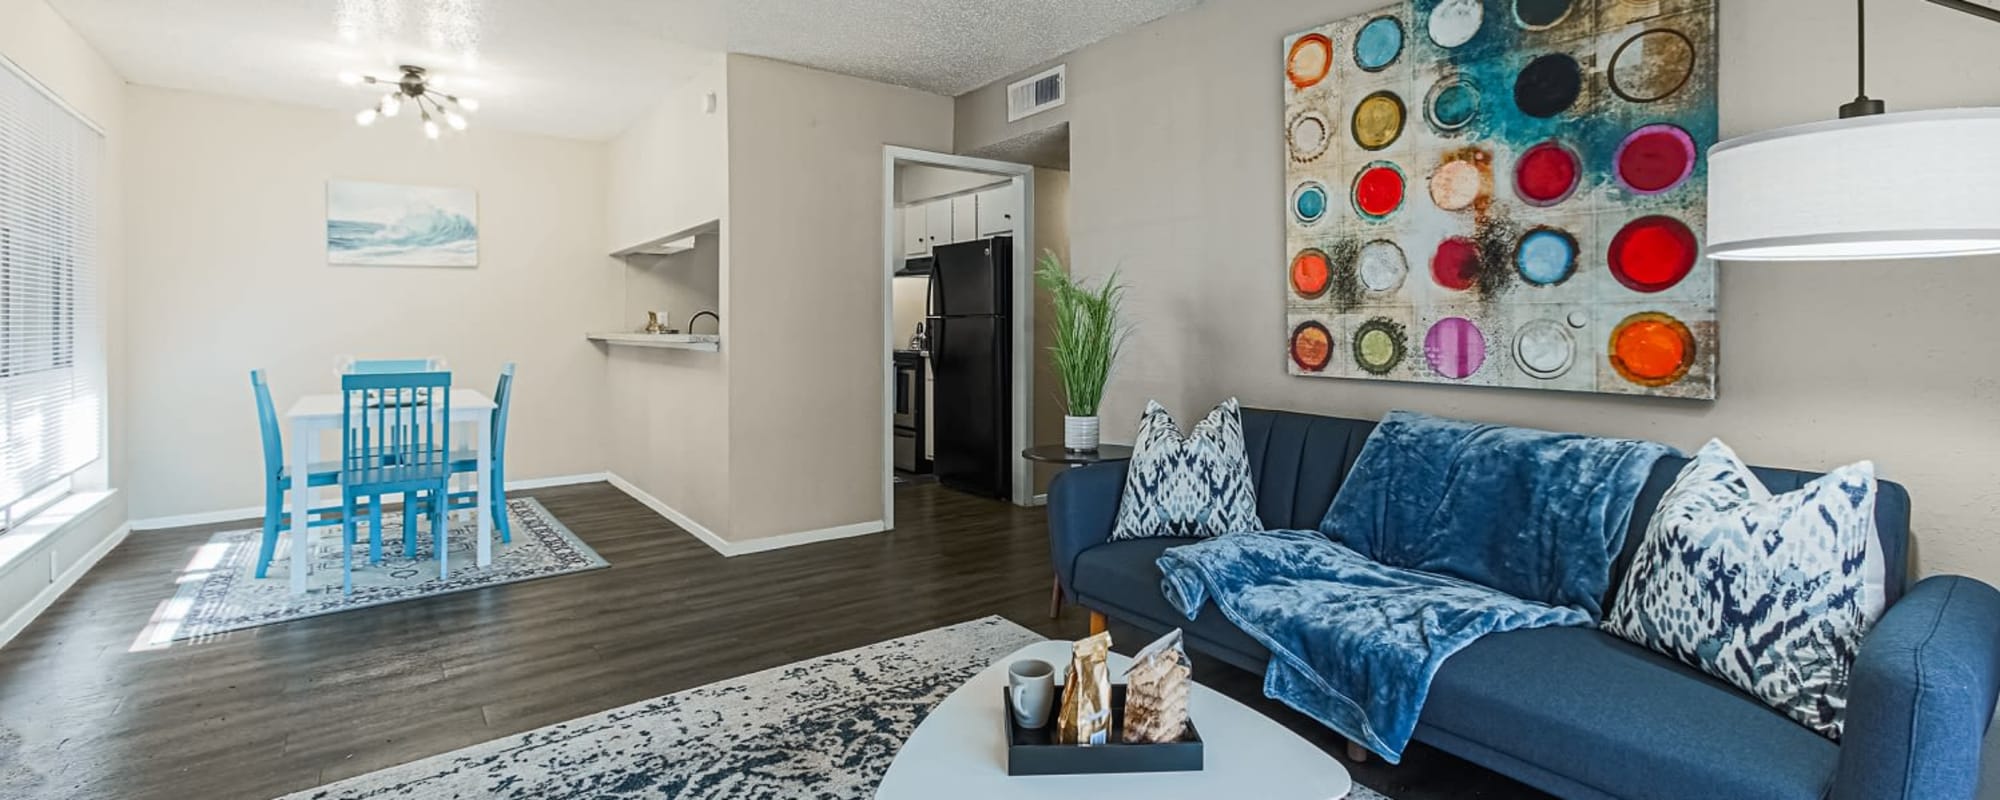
(1583, 714)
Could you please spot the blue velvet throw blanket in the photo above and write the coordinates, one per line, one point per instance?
(1444, 531)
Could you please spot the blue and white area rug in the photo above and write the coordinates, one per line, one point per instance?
(821, 729)
(220, 590)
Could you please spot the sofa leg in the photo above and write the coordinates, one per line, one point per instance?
(1356, 753)
(1097, 623)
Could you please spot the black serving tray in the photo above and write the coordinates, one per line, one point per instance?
(1033, 751)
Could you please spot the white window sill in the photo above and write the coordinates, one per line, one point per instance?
(42, 528)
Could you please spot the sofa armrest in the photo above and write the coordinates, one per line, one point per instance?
(1921, 695)
(1083, 505)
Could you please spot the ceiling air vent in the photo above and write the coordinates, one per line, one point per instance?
(1038, 94)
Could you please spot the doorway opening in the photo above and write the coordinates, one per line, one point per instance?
(958, 288)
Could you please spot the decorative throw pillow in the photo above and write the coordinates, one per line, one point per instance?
(1193, 485)
(1769, 593)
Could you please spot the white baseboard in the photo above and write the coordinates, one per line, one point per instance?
(47, 597)
(1039, 500)
(730, 548)
(257, 512)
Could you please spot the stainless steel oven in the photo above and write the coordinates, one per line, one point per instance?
(909, 411)
(909, 392)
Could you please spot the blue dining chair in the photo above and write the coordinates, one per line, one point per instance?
(381, 366)
(468, 460)
(394, 443)
(278, 477)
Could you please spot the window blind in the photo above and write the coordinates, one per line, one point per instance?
(51, 348)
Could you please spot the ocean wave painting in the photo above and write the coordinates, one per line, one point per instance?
(383, 224)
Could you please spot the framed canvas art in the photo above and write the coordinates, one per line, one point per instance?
(1504, 193)
(386, 224)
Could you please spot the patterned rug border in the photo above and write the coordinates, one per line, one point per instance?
(193, 592)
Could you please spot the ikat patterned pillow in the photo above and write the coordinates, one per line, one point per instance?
(1769, 593)
(1193, 485)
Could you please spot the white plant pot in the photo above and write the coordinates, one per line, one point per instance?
(1079, 433)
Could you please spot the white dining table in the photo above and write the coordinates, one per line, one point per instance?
(315, 414)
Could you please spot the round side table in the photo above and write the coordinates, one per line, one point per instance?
(1058, 454)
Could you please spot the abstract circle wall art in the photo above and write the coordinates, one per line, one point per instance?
(1378, 44)
(1455, 348)
(1378, 190)
(1525, 199)
(1378, 120)
(1312, 346)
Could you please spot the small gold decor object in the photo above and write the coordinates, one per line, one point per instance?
(653, 322)
(1156, 692)
(1086, 703)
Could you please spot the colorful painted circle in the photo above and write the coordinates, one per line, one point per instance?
(1548, 85)
(1455, 22)
(1458, 184)
(1546, 256)
(1652, 349)
(1311, 57)
(1655, 159)
(1379, 345)
(1544, 349)
(1651, 66)
(1312, 346)
(1455, 348)
(1541, 15)
(1309, 202)
(1547, 174)
(1378, 44)
(1451, 104)
(1382, 266)
(1456, 264)
(1378, 190)
(1652, 254)
(1312, 272)
(1308, 135)
(1378, 120)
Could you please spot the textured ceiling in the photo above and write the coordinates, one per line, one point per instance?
(581, 68)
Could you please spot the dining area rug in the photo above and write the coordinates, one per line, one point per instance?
(220, 591)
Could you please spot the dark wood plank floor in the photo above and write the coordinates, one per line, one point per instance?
(262, 712)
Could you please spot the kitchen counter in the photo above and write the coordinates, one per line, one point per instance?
(706, 343)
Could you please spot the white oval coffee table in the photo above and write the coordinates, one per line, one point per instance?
(959, 751)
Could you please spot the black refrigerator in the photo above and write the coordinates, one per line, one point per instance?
(969, 322)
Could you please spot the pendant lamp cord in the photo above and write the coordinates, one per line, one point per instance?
(1861, 48)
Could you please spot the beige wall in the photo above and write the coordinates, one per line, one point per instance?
(669, 171)
(805, 261)
(229, 197)
(1822, 364)
(667, 420)
(1051, 209)
(40, 43)
(916, 183)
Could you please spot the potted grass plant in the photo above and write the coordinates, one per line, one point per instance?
(1088, 333)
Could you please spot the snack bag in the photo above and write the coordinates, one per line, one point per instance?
(1086, 702)
(1156, 692)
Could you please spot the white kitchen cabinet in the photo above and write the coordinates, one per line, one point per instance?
(937, 223)
(914, 230)
(964, 218)
(997, 209)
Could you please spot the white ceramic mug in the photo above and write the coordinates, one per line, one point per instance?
(1031, 692)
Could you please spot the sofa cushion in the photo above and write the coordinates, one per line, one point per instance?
(1297, 462)
(1122, 579)
(1623, 719)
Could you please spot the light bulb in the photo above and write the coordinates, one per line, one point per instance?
(456, 122)
(391, 104)
(350, 79)
(366, 117)
(430, 129)
(467, 103)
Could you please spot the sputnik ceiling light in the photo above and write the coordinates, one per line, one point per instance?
(413, 89)
(1868, 185)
